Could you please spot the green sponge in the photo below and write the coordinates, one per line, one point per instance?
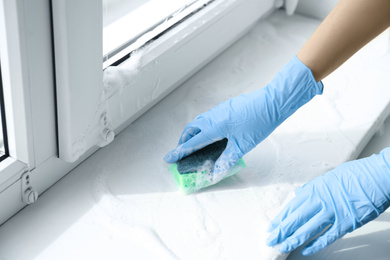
(192, 173)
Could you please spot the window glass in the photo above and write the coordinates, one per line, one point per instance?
(3, 132)
(113, 10)
(126, 21)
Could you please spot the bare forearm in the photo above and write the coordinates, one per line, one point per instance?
(350, 26)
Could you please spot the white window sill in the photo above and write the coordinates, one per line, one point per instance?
(122, 202)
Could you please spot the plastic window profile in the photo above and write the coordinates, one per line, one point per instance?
(166, 63)
(123, 52)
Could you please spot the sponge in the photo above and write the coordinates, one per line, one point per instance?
(192, 173)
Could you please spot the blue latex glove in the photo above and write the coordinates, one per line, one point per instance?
(248, 119)
(346, 198)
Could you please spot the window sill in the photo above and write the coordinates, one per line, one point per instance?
(124, 202)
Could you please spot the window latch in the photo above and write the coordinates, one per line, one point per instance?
(29, 194)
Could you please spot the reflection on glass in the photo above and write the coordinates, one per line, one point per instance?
(125, 21)
(116, 9)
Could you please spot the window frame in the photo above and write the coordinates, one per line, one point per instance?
(44, 90)
(114, 56)
(18, 123)
(166, 63)
(28, 81)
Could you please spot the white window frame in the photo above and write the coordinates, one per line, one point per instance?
(49, 136)
(118, 34)
(166, 63)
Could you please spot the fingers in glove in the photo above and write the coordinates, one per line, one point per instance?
(299, 211)
(308, 230)
(290, 208)
(189, 131)
(329, 236)
(195, 143)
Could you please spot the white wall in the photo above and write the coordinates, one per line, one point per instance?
(318, 8)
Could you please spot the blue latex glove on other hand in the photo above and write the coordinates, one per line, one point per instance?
(346, 198)
(248, 119)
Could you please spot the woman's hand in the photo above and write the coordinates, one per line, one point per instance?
(248, 119)
(345, 198)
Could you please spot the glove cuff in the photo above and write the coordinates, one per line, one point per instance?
(296, 85)
(292, 87)
(382, 177)
(368, 177)
(307, 75)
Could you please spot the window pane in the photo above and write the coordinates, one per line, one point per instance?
(3, 132)
(116, 9)
(2, 149)
(125, 21)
